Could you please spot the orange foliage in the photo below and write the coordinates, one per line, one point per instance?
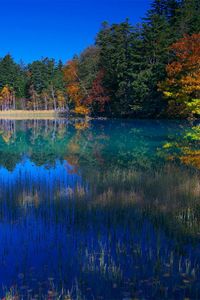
(71, 79)
(182, 85)
(82, 125)
(74, 93)
(81, 110)
(70, 71)
(187, 51)
(173, 69)
(78, 95)
(191, 158)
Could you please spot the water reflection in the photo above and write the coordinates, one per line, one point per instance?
(29, 184)
(106, 210)
(185, 149)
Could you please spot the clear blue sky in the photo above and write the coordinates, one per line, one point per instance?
(31, 29)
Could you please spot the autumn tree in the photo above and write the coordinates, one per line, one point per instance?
(74, 88)
(98, 96)
(119, 74)
(14, 76)
(182, 86)
(7, 98)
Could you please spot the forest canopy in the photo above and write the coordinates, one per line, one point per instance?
(151, 69)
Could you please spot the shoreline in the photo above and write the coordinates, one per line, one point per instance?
(52, 115)
(43, 115)
(31, 114)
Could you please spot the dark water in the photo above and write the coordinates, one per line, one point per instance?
(100, 210)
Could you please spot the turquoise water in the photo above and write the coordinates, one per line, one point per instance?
(100, 210)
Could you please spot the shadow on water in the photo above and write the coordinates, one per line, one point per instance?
(100, 210)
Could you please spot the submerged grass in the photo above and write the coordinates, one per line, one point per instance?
(53, 293)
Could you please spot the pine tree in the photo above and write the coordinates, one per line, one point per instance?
(118, 45)
(12, 75)
(189, 19)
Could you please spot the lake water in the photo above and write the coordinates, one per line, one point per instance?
(100, 210)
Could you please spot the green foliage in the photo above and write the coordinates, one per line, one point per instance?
(88, 66)
(46, 80)
(119, 56)
(118, 76)
(189, 17)
(13, 75)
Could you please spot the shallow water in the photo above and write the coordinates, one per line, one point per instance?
(100, 210)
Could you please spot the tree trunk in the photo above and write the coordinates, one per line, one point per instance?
(14, 102)
(45, 99)
(53, 96)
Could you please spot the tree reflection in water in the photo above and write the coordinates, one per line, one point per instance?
(99, 206)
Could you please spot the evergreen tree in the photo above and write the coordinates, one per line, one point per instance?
(118, 45)
(88, 66)
(120, 75)
(189, 17)
(12, 75)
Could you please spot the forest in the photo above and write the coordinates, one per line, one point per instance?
(146, 70)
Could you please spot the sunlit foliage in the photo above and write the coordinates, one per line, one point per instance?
(182, 86)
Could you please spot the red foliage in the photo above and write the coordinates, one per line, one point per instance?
(98, 93)
(182, 86)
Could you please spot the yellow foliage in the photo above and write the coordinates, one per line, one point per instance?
(6, 137)
(82, 125)
(167, 94)
(194, 106)
(5, 92)
(167, 146)
(194, 134)
(81, 110)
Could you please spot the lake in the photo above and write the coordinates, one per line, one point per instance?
(108, 209)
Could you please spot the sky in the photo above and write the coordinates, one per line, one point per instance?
(32, 29)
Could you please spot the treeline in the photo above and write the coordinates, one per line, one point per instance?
(151, 69)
